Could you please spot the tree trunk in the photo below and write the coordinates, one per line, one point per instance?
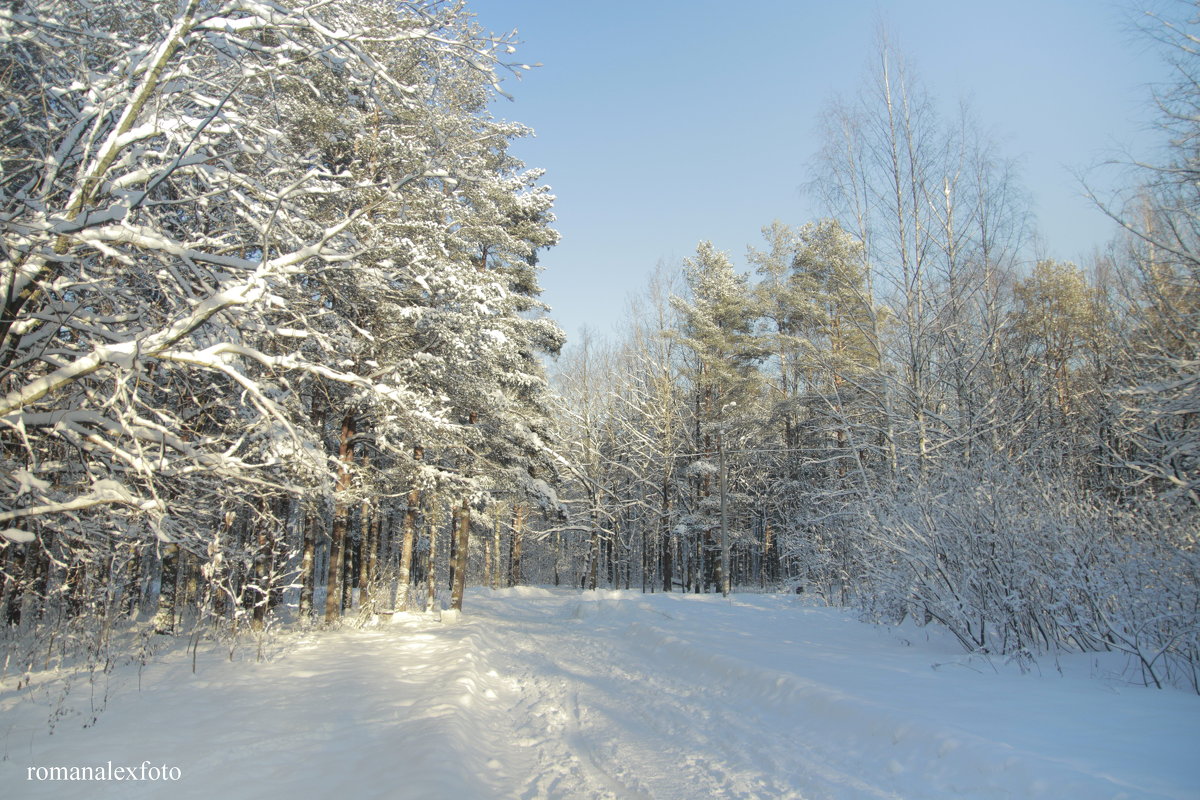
(387, 551)
(308, 565)
(557, 555)
(487, 562)
(518, 532)
(350, 551)
(664, 534)
(261, 588)
(164, 620)
(279, 539)
(462, 540)
(594, 567)
(15, 578)
(374, 553)
(726, 578)
(647, 581)
(770, 552)
(687, 555)
(452, 564)
(408, 538)
(133, 582)
(366, 558)
(333, 583)
(189, 570)
(337, 546)
(494, 572)
(431, 572)
(217, 582)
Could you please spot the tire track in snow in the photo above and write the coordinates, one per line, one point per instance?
(620, 707)
(610, 724)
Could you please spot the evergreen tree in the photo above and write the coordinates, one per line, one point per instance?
(717, 326)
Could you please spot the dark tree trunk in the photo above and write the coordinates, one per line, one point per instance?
(770, 566)
(261, 588)
(452, 563)
(132, 599)
(664, 537)
(38, 561)
(308, 565)
(350, 551)
(15, 578)
(647, 580)
(337, 546)
(493, 573)
(164, 620)
(367, 557)
(518, 535)
(187, 600)
(314, 526)
(279, 542)
(594, 567)
(333, 585)
(557, 556)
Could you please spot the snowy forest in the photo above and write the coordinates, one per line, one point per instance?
(272, 354)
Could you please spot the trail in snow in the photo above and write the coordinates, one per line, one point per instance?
(554, 694)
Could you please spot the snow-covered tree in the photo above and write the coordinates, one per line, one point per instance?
(1161, 216)
(717, 326)
(233, 233)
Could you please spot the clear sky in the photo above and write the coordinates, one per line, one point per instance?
(664, 122)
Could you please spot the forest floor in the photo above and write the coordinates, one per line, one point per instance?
(537, 693)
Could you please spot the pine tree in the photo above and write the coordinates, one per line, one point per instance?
(717, 326)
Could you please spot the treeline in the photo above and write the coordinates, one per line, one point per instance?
(901, 410)
(270, 334)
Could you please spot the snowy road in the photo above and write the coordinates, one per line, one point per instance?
(539, 694)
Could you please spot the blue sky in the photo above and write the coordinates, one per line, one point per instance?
(664, 123)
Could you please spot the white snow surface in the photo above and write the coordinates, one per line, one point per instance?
(538, 693)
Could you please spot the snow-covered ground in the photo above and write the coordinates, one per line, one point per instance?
(545, 694)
